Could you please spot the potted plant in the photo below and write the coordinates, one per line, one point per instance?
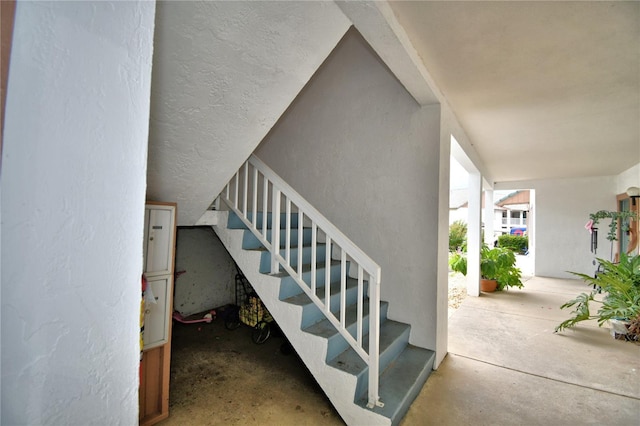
(617, 290)
(497, 265)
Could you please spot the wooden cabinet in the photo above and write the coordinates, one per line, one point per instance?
(159, 255)
(154, 385)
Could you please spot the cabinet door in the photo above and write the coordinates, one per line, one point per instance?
(159, 229)
(157, 315)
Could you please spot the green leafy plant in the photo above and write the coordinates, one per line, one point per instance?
(458, 262)
(495, 264)
(457, 235)
(516, 243)
(619, 284)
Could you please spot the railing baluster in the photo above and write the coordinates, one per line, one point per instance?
(360, 303)
(314, 256)
(343, 286)
(275, 229)
(288, 232)
(254, 219)
(265, 203)
(245, 188)
(235, 190)
(327, 275)
(300, 247)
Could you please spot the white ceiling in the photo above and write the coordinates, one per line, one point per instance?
(542, 89)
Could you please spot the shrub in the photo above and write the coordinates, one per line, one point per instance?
(516, 243)
(457, 235)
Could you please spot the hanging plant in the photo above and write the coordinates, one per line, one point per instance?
(613, 226)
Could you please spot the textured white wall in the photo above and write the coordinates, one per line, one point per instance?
(73, 190)
(562, 208)
(223, 74)
(362, 151)
(628, 178)
(209, 271)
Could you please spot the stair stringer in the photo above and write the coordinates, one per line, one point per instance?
(339, 386)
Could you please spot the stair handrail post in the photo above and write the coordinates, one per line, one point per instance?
(275, 229)
(374, 339)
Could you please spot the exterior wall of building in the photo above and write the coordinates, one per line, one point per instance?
(73, 195)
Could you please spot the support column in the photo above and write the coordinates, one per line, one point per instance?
(473, 234)
(488, 217)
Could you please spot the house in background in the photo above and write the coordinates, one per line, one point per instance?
(514, 215)
(510, 213)
(111, 103)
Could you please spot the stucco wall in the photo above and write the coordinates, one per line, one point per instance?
(628, 178)
(362, 151)
(562, 208)
(223, 73)
(73, 191)
(207, 280)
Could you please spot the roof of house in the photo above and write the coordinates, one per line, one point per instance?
(518, 197)
(458, 198)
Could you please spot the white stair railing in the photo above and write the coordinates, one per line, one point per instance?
(256, 189)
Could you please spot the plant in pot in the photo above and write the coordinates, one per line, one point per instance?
(617, 292)
(497, 265)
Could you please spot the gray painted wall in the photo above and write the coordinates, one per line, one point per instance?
(209, 271)
(362, 151)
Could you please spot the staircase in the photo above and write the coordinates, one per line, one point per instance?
(323, 292)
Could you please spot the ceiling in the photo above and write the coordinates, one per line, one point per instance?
(542, 89)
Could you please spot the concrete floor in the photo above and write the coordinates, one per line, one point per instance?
(507, 367)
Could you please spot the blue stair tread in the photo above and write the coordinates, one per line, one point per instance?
(325, 329)
(302, 299)
(295, 255)
(305, 268)
(336, 344)
(234, 221)
(402, 381)
(350, 362)
(290, 287)
(249, 240)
